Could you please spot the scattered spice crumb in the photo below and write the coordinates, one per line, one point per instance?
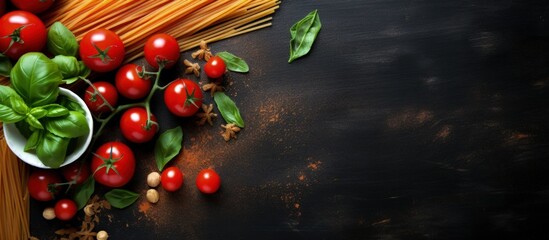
(144, 207)
(384, 221)
(314, 165)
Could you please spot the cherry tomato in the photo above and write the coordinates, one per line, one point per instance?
(113, 164)
(208, 181)
(102, 50)
(65, 209)
(171, 179)
(39, 184)
(134, 126)
(95, 103)
(77, 172)
(25, 30)
(162, 48)
(33, 6)
(183, 97)
(129, 84)
(215, 67)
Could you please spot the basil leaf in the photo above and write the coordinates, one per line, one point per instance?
(61, 41)
(8, 115)
(120, 198)
(69, 67)
(56, 110)
(233, 62)
(38, 112)
(5, 94)
(228, 109)
(33, 122)
(18, 105)
(84, 192)
(70, 126)
(52, 150)
(5, 65)
(36, 79)
(33, 140)
(167, 146)
(25, 129)
(303, 34)
(70, 104)
(84, 70)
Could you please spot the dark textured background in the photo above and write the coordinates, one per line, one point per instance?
(408, 120)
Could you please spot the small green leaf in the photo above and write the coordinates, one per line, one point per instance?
(228, 109)
(84, 192)
(68, 65)
(70, 104)
(61, 41)
(56, 110)
(5, 65)
(70, 126)
(120, 198)
(33, 122)
(33, 140)
(52, 150)
(7, 115)
(168, 146)
(303, 35)
(38, 112)
(5, 94)
(18, 105)
(234, 63)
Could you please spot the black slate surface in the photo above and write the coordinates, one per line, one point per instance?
(409, 119)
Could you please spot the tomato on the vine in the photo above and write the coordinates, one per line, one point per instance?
(21, 32)
(183, 97)
(130, 84)
(208, 181)
(136, 127)
(77, 172)
(95, 103)
(33, 6)
(171, 179)
(113, 164)
(161, 48)
(215, 67)
(65, 209)
(40, 184)
(102, 50)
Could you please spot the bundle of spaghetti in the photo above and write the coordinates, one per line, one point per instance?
(14, 210)
(189, 21)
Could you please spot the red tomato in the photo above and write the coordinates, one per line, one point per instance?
(33, 6)
(65, 209)
(95, 103)
(39, 184)
(129, 84)
(171, 179)
(215, 67)
(77, 172)
(208, 181)
(134, 126)
(113, 164)
(25, 30)
(183, 97)
(102, 50)
(161, 48)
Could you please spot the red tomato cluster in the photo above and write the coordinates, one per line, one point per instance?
(21, 32)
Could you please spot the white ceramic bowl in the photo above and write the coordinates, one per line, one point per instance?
(16, 142)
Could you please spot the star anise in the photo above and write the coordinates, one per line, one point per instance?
(202, 53)
(192, 68)
(212, 87)
(230, 131)
(207, 116)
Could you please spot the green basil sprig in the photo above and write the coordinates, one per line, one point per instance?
(61, 41)
(303, 34)
(120, 198)
(36, 78)
(84, 192)
(52, 149)
(71, 68)
(228, 109)
(168, 146)
(234, 63)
